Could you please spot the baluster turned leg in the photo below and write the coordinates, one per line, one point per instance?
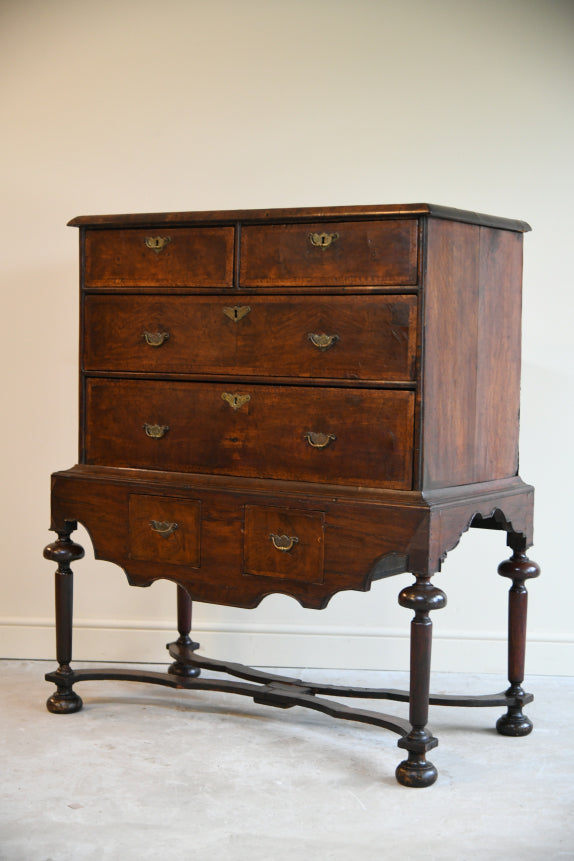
(179, 668)
(422, 597)
(63, 551)
(519, 568)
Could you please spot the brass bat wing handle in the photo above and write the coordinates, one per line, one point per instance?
(155, 339)
(163, 527)
(322, 341)
(155, 431)
(319, 440)
(283, 542)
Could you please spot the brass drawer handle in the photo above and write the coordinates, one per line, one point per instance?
(319, 440)
(236, 312)
(235, 400)
(156, 339)
(322, 240)
(155, 431)
(283, 542)
(322, 342)
(163, 527)
(157, 243)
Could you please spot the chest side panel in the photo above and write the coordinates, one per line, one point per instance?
(471, 356)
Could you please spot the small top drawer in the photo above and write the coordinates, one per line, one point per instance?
(354, 254)
(168, 257)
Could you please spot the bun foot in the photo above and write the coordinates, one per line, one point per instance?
(416, 771)
(64, 703)
(514, 723)
(185, 670)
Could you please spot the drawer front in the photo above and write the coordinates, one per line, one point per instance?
(338, 436)
(169, 257)
(362, 253)
(283, 543)
(165, 529)
(342, 337)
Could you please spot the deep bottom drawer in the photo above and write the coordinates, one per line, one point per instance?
(337, 436)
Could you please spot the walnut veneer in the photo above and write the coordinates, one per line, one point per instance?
(298, 401)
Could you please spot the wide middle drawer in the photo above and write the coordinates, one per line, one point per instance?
(340, 436)
(342, 337)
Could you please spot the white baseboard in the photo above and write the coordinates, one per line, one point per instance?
(285, 646)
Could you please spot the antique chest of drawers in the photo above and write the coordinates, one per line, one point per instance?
(299, 401)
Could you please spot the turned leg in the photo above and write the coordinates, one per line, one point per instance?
(422, 597)
(519, 569)
(63, 551)
(180, 668)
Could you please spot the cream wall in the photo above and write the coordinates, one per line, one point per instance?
(131, 105)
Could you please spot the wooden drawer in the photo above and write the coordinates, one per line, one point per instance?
(361, 253)
(165, 529)
(339, 436)
(191, 257)
(284, 543)
(340, 337)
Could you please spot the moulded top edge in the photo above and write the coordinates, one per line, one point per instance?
(340, 213)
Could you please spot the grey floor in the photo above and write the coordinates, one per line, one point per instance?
(146, 772)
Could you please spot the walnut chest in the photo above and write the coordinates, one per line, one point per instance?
(299, 401)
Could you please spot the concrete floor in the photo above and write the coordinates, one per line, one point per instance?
(145, 772)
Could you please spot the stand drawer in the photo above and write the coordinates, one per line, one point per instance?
(285, 544)
(165, 529)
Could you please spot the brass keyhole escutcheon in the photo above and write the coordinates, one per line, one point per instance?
(322, 240)
(157, 243)
(236, 312)
(235, 399)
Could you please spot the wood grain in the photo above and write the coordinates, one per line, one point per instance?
(193, 257)
(265, 437)
(471, 354)
(375, 337)
(362, 253)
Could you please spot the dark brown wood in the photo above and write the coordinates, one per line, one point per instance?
(184, 642)
(284, 543)
(63, 551)
(421, 597)
(360, 253)
(471, 359)
(288, 216)
(371, 431)
(359, 536)
(268, 694)
(200, 335)
(299, 401)
(192, 257)
(166, 529)
(519, 569)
